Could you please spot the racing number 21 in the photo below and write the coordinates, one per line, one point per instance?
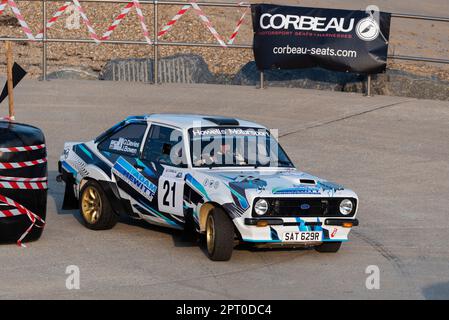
(167, 189)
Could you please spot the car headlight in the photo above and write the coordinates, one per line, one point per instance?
(346, 207)
(261, 207)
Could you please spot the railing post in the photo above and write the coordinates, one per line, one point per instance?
(155, 44)
(368, 86)
(262, 80)
(44, 40)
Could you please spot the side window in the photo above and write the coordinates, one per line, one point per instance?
(126, 141)
(164, 145)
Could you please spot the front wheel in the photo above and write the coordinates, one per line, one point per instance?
(95, 208)
(328, 247)
(219, 236)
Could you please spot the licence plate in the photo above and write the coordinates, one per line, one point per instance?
(303, 236)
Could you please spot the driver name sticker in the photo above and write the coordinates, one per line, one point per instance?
(125, 171)
(125, 145)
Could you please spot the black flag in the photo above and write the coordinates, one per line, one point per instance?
(17, 74)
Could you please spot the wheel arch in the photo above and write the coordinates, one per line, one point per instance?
(206, 209)
(110, 190)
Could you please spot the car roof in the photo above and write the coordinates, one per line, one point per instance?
(187, 121)
(182, 121)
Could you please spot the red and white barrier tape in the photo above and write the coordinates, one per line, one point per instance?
(117, 21)
(120, 17)
(20, 149)
(21, 184)
(17, 179)
(16, 165)
(172, 22)
(207, 23)
(204, 18)
(145, 31)
(21, 20)
(8, 119)
(55, 18)
(239, 24)
(86, 21)
(3, 5)
(108, 33)
(9, 213)
(21, 210)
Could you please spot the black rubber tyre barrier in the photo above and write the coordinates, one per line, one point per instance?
(21, 135)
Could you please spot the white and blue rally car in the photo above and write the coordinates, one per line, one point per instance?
(226, 178)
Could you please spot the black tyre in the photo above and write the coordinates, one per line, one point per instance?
(13, 134)
(328, 247)
(219, 236)
(95, 208)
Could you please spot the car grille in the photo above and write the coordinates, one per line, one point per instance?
(305, 207)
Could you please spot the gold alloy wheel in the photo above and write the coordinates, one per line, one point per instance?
(210, 233)
(91, 205)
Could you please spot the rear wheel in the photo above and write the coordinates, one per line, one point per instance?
(95, 208)
(219, 236)
(328, 247)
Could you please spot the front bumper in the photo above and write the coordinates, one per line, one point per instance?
(271, 230)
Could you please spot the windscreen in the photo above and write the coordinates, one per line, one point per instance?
(235, 147)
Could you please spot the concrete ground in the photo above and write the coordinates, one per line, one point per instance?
(392, 151)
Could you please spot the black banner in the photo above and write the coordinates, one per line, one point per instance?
(288, 37)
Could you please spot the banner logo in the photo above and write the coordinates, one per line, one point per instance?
(319, 24)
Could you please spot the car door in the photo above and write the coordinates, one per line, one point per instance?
(134, 184)
(164, 152)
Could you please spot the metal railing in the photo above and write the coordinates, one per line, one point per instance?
(157, 43)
